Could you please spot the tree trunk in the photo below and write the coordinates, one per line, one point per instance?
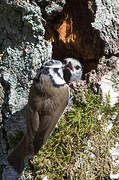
(34, 31)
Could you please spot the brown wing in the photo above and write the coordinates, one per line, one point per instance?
(45, 107)
(53, 108)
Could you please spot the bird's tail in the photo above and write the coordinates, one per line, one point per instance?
(17, 156)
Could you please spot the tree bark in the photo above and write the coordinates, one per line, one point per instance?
(34, 31)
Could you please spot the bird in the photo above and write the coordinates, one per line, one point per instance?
(47, 101)
(72, 70)
(48, 98)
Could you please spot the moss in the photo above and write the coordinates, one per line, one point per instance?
(79, 148)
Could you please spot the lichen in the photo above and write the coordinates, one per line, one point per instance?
(24, 49)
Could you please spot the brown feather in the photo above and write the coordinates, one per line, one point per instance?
(45, 106)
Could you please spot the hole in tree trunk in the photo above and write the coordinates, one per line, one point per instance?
(72, 34)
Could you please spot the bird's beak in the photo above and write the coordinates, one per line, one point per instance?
(67, 66)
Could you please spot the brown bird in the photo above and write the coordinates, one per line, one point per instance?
(47, 101)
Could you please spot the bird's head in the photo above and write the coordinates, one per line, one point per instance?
(54, 69)
(72, 69)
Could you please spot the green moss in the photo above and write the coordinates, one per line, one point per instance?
(68, 146)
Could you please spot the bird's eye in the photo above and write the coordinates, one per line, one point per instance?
(64, 62)
(77, 67)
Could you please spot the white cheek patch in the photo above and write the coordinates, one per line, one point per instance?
(76, 77)
(76, 74)
(56, 78)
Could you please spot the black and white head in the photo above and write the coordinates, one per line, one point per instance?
(54, 69)
(72, 69)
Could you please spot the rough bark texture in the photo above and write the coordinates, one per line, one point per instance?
(24, 47)
(107, 23)
(85, 30)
